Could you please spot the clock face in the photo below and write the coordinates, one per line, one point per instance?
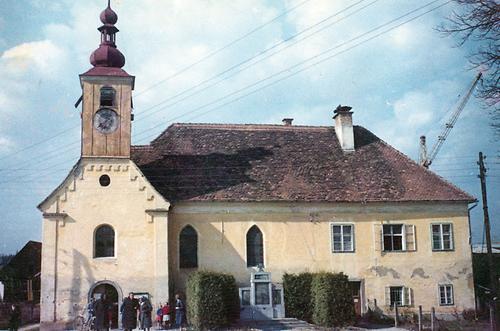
(106, 120)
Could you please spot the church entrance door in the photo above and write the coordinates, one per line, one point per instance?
(112, 298)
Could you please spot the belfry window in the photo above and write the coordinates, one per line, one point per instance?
(188, 248)
(104, 241)
(255, 247)
(107, 96)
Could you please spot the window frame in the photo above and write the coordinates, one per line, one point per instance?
(115, 243)
(452, 295)
(403, 238)
(441, 237)
(112, 94)
(405, 295)
(181, 266)
(263, 247)
(332, 240)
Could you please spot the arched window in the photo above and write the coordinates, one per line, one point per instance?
(107, 96)
(104, 241)
(188, 248)
(255, 247)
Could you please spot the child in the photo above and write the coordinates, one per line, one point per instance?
(166, 315)
(159, 316)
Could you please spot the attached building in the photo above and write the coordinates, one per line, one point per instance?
(243, 198)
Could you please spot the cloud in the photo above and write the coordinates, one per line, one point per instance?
(43, 57)
(6, 144)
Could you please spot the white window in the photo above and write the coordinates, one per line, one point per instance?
(342, 238)
(442, 237)
(446, 295)
(398, 237)
(398, 295)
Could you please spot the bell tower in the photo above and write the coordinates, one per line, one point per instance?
(107, 97)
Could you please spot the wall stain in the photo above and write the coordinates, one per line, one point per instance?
(419, 272)
(451, 277)
(463, 271)
(383, 271)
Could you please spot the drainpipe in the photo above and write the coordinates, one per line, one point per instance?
(472, 255)
(55, 268)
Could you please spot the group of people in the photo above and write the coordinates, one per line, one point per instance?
(133, 310)
(163, 316)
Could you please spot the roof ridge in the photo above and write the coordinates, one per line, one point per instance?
(248, 125)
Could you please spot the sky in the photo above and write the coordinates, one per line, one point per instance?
(244, 61)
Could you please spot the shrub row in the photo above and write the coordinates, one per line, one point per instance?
(212, 300)
(323, 298)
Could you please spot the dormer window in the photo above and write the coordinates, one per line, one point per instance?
(107, 96)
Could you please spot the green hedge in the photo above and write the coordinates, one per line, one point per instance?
(331, 299)
(212, 300)
(322, 298)
(297, 290)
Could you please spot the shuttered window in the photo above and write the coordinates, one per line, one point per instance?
(188, 248)
(255, 247)
(400, 295)
(104, 241)
(398, 237)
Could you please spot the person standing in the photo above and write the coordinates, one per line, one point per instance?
(159, 316)
(180, 311)
(145, 310)
(101, 310)
(129, 312)
(15, 318)
(166, 315)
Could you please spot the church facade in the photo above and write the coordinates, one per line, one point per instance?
(244, 199)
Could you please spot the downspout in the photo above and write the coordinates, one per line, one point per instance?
(472, 256)
(55, 268)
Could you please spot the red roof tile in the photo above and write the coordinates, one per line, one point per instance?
(202, 162)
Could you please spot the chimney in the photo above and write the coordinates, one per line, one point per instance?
(287, 121)
(343, 127)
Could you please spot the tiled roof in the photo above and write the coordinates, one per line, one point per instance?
(203, 162)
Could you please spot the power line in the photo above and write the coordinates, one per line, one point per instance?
(175, 74)
(239, 64)
(221, 49)
(305, 61)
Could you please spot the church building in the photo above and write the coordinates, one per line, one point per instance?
(255, 201)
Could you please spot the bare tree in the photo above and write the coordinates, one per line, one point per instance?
(477, 22)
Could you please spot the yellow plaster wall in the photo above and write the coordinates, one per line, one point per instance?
(297, 238)
(140, 236)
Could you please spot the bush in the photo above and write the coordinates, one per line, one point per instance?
(212, 300)
(331, 300)
(297, 290)
(323, 298)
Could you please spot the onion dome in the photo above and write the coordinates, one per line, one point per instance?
(107, 55)
(108, 16)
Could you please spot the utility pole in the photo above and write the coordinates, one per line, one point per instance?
(491, 265)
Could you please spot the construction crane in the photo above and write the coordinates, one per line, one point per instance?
(426, 160)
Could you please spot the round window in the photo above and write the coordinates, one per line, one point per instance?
(104, 180)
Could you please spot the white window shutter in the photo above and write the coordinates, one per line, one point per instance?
(452, 240)
(410, 237)
(388, 296)
(407, 296)
(377, 234)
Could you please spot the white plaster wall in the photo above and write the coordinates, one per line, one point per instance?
(140, 263)
(297, 238)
